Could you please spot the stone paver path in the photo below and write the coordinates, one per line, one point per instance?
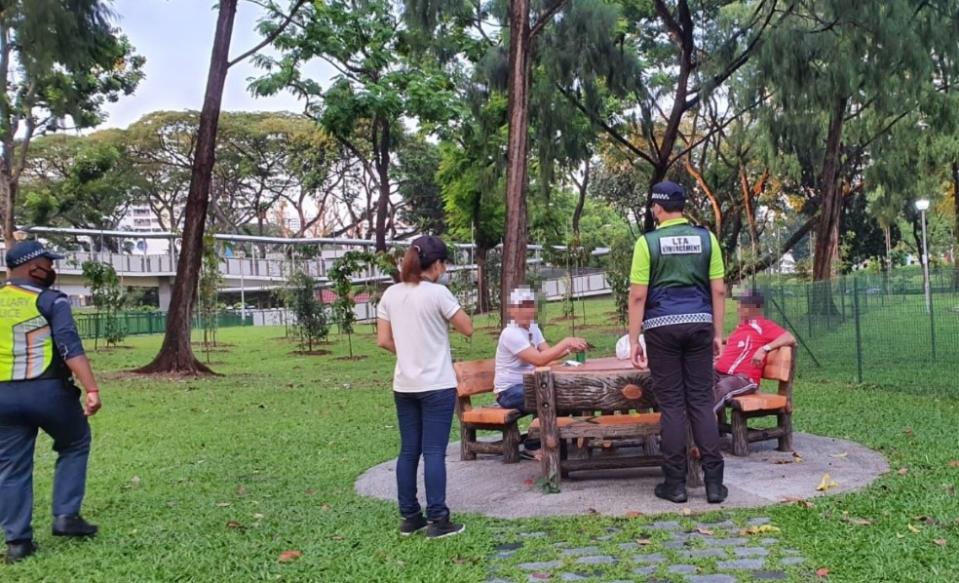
(686, 550)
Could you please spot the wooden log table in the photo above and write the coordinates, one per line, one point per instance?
(575, 402)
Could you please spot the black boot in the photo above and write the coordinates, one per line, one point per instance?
(19, 550)
(674, 488)
(715, 491)
(73, 526)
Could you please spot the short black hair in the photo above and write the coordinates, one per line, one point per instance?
(671, 206)
(753, 298)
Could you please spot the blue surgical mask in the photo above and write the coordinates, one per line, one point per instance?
(443, 279)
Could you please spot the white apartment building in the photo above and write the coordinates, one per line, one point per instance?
(141, 218)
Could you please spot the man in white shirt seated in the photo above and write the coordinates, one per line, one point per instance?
(521, 348)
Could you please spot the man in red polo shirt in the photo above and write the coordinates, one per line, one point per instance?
(740, 368)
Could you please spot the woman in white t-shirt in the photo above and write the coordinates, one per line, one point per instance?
(413, 323)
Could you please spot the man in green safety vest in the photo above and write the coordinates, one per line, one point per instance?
(40, 354)
(676, 300)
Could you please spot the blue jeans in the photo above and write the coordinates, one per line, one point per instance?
(512, 398)
(25, 407)
(425, 420)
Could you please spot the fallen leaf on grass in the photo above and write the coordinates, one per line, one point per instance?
(234, 524)
(907, 431)
(859, 521)
(950, 490)
(840, 455)
(761, 529)
(241, 490)
(223, 504)
(310, 491)
(135, 482)
(643, 542)
(288, 556)
(258, 516)
(953, 464)
(633, 514)
(940, 541)
(338, 537)
(704, 531)
(325, 507)
(912, 529)
(903, 471)
(822, 572)
(801, 502)
(827, 483)
(687, 512)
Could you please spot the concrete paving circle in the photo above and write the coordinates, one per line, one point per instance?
(489, 487)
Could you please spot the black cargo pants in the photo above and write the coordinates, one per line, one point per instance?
(681, 363)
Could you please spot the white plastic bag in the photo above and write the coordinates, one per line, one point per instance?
(622, 346)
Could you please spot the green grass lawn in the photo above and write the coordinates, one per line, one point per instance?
(210, 480)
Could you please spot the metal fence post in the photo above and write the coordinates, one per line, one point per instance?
(855, 304)
(842, 298)
(932, 326)
(809, 310)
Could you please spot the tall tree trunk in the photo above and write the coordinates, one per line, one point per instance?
(515, 239)
(383, 177)
(483, 302)
(955, 233)
(9, 186)
(176, 354)
(830, 212)
(581, 201)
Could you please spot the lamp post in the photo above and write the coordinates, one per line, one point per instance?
(922, 205)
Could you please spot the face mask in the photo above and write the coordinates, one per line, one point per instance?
(443, 279)
(49, 276)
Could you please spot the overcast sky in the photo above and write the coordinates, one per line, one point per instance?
(176, 37)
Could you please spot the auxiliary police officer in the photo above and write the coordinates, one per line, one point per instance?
(677, 296)
(40, 354)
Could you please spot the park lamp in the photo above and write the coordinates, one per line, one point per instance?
(922, 205)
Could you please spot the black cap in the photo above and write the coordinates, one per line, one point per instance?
(667, 191)
(430, 249)
(27, 251)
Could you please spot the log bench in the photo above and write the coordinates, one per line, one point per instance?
(604, 404)
(781, 368)
(475, 378)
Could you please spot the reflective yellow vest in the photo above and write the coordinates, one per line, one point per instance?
(26, 343)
